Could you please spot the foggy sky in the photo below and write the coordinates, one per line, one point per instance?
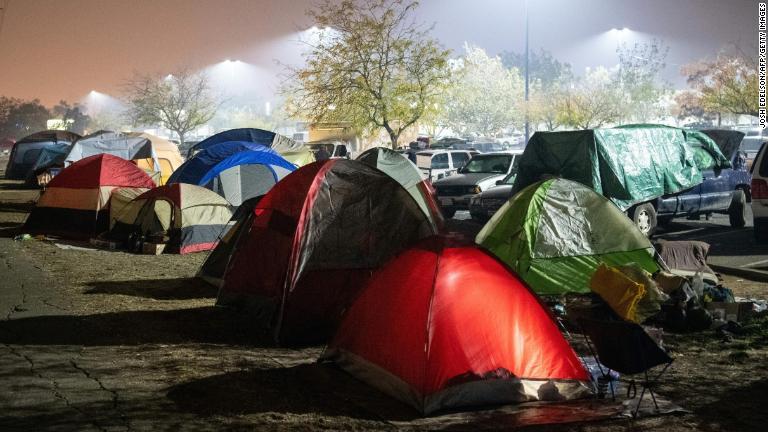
(62, 49)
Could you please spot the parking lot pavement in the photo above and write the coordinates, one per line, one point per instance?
(732, 250)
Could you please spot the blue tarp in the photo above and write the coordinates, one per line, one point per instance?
(210, 162)
(50, 156)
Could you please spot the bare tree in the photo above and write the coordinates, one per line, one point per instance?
(181, 101)
(375, 68)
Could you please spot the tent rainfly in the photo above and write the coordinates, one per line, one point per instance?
(76, 202)
(235, 170)
(191, 217)
(311, 242)
(405, 172)
(276, 142)
(451, 327)
(555, 233)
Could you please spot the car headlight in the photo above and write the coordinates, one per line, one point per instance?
(476, 190)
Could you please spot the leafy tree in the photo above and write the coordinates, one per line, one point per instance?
(687, 104)
(727, 84)
(180, 102)
(640, 66)
(72, 117)
(484, 99)
(375, 68)
(544, 105)
(593, 101)
(543, 67)
(19, 118)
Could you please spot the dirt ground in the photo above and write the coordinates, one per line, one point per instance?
(98, 340)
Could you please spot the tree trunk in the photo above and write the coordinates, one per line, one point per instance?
(719, 119)
(393, 137)
(181, 138)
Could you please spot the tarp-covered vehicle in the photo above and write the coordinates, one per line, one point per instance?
(633, 166)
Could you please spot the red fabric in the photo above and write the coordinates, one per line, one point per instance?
(253, 262)
(199, 247)
(434, 315)
(102, 170)
(430, 196)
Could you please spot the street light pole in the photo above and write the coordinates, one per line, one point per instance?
(527, 135)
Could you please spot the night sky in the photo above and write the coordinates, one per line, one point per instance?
(62, 49)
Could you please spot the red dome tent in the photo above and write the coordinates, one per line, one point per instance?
(314, 240)
(449, 327)
(76, 202)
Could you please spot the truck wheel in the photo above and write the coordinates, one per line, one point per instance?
(644, 217)
(737, 212)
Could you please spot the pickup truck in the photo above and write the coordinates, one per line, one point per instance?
(654, 173)
(725, 190)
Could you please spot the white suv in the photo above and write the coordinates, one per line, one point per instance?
(760, 194)
(436, 164)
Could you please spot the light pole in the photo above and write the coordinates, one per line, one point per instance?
(526, 74)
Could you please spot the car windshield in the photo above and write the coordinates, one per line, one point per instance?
(496, 164)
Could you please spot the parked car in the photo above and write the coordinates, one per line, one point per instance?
(654, 173)
(436, 164)
(483, 205)
(480, 173)
(726, 190)
(760, 194)
(335, 149)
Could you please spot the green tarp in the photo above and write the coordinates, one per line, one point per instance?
(555, 234)
(629, 164)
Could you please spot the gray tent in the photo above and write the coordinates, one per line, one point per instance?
(126, 146)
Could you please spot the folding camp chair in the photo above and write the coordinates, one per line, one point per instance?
(626, 348)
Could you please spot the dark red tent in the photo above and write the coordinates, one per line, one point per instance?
(450, 327)
(314, 240)
(76, 202)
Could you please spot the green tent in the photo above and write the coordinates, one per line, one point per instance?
(555, 233)
(629, 164)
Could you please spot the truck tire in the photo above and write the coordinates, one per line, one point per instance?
(644, 217)
(737, 212)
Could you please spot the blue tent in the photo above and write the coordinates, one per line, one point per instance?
(236, 170)
(256, 136)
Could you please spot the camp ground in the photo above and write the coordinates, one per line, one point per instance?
(338, 281)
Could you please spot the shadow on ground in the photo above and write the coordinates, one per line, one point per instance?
(197, 325)
(750, 398)
(302, 389)
(158, 289)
